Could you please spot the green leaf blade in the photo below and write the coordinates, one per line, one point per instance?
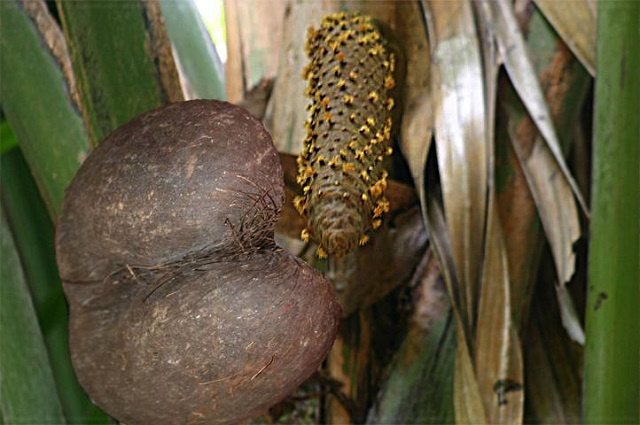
(33, 233)
(36, 100)
(118, 61)
(27, 388)
(196, 53)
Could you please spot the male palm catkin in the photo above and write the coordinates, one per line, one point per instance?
(349, 75)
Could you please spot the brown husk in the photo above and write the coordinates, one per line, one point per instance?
(182, 307)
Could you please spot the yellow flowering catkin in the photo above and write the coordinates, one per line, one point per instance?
(349, 75)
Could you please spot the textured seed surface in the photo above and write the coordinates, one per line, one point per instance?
(349, 75)
(182, 308)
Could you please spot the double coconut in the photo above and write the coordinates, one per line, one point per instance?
(182, 307)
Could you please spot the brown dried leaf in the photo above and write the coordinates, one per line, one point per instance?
(498, 358)
(559, 217)
(417, 122)
(565, 83)
(464, 97)
(491, 63)
(461, 139)
(417, 131)
(552, 195)
(254, 34)
(514, 52)
(522, 231)
(575, 22)
(467, 400)
(569, 315)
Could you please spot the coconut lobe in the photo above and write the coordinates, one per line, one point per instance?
(182, 308)
(172, 181)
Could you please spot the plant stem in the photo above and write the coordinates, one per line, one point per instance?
(612, 391)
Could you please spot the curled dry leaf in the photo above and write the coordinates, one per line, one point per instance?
(459, 110)
(417, 121)
(565, 83)
(518, 64)
(464, 129)
(542, 160)
(559, 219)
(461, 140)
(497, 347)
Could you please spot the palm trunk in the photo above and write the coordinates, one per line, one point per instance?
(612, 352)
